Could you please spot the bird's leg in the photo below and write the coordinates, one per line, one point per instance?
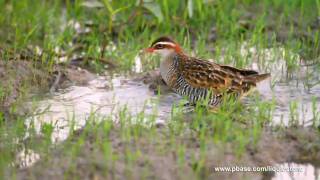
(188, 107)
(188, 104)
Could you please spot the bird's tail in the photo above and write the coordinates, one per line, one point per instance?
(258, 77)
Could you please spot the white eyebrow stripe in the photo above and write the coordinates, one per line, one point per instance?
(165, 43)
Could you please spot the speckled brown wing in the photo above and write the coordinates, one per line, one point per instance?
(243, 72)
(205, 74)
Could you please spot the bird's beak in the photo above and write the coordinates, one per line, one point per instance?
(149, 50)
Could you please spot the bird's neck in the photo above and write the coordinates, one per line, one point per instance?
(168, 66)
(166, 54)
(173, 55)
(168, 59)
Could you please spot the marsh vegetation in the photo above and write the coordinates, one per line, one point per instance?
(78, 100)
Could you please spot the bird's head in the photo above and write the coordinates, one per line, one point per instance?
(164, 46)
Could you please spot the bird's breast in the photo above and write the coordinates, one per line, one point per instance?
(168, 71)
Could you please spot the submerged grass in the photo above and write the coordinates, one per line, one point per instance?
(44, 31)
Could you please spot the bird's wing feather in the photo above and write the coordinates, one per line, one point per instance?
(244, 72)
(205, 74)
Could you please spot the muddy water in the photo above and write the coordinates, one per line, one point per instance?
(295, 93)
(26, 158)
(103, 98)
(295, 97)
(294, 101)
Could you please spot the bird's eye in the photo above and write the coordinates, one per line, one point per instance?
(159, 46)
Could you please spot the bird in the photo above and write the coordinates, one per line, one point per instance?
(200, 79)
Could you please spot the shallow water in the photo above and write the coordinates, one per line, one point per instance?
(294, 102)
(26, 158)
(295, 93)
(105, 97)
(74, 105)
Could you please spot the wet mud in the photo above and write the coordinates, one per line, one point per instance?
(298, 145)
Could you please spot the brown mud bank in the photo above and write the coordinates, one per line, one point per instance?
(157, 158)
(23, 79)
(18, 79)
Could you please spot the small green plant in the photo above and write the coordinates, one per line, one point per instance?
(234, 32)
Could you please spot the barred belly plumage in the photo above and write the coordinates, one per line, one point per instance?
(181, 86)
(196, 94)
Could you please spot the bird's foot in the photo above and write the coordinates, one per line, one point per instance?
(188, 104)
(188, 109)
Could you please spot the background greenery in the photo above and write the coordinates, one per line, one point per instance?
(44, 31)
